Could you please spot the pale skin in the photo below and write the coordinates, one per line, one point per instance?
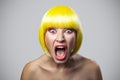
(61, 65)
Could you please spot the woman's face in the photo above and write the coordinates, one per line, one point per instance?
(60, 43)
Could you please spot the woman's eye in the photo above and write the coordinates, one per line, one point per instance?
(69, 31)
(52, 30)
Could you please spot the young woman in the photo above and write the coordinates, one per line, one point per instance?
(60, 35)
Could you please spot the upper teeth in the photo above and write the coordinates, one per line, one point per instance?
(60, 47)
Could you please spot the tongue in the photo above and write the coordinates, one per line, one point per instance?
(60, 54)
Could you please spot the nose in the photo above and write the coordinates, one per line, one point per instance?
(60, 38)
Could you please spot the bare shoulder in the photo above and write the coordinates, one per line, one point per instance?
(88, 67)
(85, 62)
(92, 69)
(31, 69)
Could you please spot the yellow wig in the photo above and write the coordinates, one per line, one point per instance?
(60, 17)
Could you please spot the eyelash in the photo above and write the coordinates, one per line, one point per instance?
(52, 30)
(69, 31)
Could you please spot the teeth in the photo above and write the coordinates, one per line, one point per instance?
(60, 47)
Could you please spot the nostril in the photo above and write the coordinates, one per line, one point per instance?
(60, 39)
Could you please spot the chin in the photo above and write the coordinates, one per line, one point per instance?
(60, 61)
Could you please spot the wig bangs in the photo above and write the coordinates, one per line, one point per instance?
(61, 21)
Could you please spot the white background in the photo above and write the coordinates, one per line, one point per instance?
(19, 23)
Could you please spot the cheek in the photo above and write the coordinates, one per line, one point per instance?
(71, 41)
(49, 39)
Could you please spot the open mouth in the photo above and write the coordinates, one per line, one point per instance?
(60, 52)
